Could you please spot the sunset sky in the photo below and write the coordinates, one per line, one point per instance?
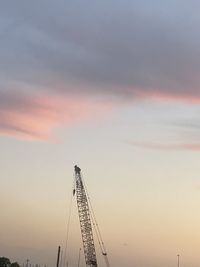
(112, 86)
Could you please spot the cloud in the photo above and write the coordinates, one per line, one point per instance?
(34, 117)
(170, 147)
(126, 48)
(121, 50)
(188, 124)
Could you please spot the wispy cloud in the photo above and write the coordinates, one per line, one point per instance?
(170, 147)
(188, 124)
(34, 117)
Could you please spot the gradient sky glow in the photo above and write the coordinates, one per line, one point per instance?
(112, 86)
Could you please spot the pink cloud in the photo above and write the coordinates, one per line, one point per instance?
(38, 116)
(164, 96)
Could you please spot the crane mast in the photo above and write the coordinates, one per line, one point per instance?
(85, 221)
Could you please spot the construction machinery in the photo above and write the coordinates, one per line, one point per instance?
(87, 219)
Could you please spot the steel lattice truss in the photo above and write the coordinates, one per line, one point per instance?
(85, 222)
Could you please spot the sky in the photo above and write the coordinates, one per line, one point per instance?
(112, 86)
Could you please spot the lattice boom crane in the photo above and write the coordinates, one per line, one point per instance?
(85, 220)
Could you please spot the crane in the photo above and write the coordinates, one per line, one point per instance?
(86, 218)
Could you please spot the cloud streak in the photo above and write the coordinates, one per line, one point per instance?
(35, 117)
(169, 147)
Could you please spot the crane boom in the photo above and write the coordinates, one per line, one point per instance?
(85, 221)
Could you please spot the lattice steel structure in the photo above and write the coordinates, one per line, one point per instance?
(85, 221)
